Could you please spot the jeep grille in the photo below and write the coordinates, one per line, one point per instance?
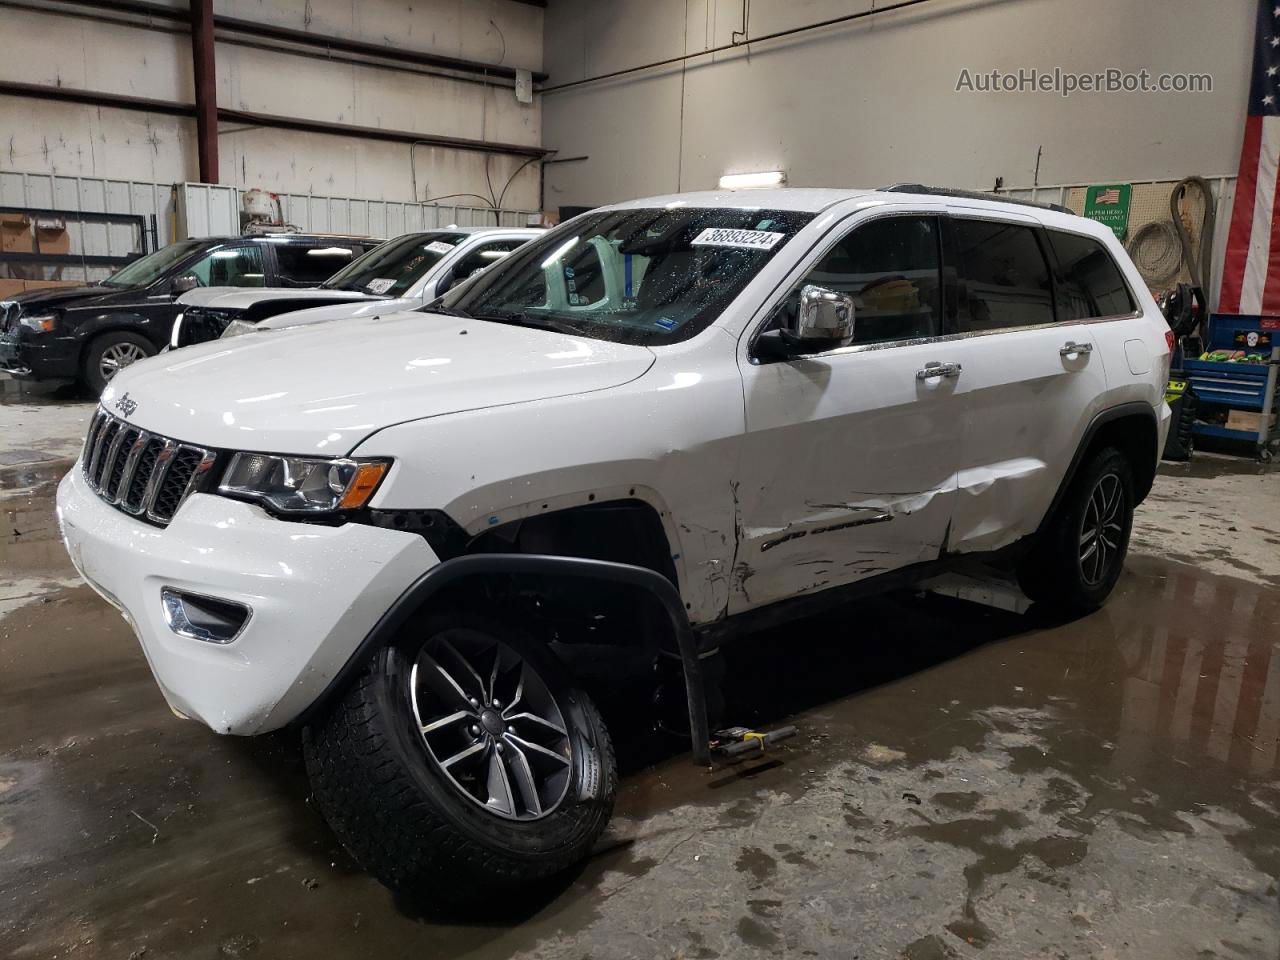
(141, 473)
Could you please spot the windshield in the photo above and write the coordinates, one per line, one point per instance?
(646, 276)
(391, 269)
(147, 270)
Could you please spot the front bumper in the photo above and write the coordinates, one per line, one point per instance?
(13, 355)
(37, 358)
(315, 592)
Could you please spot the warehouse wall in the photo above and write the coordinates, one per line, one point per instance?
(874, 101)
(40, 136)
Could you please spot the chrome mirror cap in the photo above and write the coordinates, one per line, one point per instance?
(824, 315)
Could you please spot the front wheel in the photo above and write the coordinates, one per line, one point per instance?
(1078, 560)
(463, 762)
(109, 353)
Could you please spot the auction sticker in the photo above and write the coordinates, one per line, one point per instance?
(751, 239)
(438, 246)
(380, 285)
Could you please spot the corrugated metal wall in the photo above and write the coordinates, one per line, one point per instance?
(92, 195)
(204, 210)
(207, 210)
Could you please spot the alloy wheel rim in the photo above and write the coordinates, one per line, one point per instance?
(491, 725)
(1101, 529)
(118, 356)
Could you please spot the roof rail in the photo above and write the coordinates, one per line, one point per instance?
(970, 195)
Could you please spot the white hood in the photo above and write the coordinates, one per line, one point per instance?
(241, 298)
(321, 389)
(338, 311)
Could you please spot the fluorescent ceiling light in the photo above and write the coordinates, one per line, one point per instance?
(744, 181)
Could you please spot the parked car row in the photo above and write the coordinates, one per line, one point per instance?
(193, 291)
(658, 426)
(403, 274)
(89, 333)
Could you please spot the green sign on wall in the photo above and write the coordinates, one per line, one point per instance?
(1109, 204)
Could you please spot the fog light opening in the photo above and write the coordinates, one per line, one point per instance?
(198, 617)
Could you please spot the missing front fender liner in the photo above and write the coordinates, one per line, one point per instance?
(452, 571)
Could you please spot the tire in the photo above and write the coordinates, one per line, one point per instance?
(110, 352)
(1067, 571)
(408, 821)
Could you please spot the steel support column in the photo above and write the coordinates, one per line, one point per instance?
(206, 89)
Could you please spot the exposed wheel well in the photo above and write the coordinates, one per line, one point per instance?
(1135, 436)
(570, 610)
(1131, 429)
(624, 531)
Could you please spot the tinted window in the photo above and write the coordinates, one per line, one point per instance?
(230, 267)
(308, 265)
(1004, 280)
(1092, 285)
(890, 268)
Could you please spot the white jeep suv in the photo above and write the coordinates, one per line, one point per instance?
(662, 423)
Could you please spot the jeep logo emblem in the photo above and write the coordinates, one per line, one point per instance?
(126, 405)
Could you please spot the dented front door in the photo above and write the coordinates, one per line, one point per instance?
(849, 468)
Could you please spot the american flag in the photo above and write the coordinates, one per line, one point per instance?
(1251, 270)
(1110, 196)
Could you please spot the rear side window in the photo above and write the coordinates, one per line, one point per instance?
(301, 265)
(230, 267)
(1004, 279)
(1091, 284)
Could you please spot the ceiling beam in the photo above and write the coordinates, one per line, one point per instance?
(258, 30)
(42, 91)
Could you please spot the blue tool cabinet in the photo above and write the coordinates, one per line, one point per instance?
(1237, 386)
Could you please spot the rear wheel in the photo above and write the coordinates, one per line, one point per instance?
(1078, 560)
(463, 761)
(109, 353)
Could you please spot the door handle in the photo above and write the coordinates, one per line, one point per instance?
(936, 369)
(1071, 347)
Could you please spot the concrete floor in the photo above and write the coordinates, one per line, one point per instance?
(969, 780)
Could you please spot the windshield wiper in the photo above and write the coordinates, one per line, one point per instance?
(446, 311)
(525, 320)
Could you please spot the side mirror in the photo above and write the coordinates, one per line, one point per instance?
(824, 316)
(183, 284)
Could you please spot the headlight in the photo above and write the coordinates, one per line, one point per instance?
(301, 484)
(43, 323)
(237, 327)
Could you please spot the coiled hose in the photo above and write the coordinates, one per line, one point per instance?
(1197, 262)
(1160, 248)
